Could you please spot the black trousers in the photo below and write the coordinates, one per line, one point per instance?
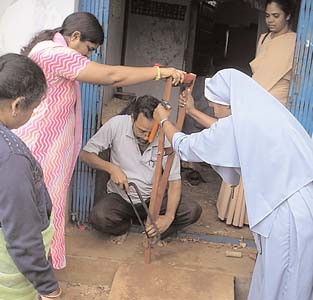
(113, 215)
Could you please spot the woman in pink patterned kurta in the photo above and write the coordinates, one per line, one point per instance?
(53, 133)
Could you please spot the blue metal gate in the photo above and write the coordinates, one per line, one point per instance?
(301, 88)
(83, 181)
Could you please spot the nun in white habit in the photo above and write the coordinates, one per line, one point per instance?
(258, 138)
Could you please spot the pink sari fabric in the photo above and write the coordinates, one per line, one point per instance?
(54, 132)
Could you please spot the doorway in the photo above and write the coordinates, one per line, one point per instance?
(226, 35)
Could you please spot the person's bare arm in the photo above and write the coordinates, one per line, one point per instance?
(186, 100)
(202, 118)
(94, 161)
(122, 75)
(162, 114)
(174, 193)
(163, 222)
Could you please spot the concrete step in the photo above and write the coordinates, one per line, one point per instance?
(159, 282)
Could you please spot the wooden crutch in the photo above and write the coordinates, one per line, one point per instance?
(160, 181)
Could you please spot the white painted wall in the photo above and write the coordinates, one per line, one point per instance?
(20, 20)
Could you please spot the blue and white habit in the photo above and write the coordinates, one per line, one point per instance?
(268, 147)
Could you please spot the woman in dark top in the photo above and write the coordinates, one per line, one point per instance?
(25, 205)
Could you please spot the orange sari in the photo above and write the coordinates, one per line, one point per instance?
(272, 65)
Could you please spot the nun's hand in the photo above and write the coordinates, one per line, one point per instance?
(187, 101)
(160, 113)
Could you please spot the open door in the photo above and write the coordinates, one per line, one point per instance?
(300, 100)
(226, 36)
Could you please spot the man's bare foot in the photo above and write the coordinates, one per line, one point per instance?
(119, 239)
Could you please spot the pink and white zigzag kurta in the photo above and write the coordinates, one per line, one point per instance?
(53, 133)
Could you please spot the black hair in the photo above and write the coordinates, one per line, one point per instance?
(287, 6)
(84, 22)
(21, 77)
(145, 104)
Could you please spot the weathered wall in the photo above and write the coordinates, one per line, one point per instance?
(115, 40)
(21, 19)
(153, 40)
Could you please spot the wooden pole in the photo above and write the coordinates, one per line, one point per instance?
(160, 182)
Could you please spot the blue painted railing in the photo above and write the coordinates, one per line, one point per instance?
(83, 182)
(301, 88)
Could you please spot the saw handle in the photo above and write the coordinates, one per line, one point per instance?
(153, 132)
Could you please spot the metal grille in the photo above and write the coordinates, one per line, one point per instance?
(158, 9)
(83, 180)
(301, 88)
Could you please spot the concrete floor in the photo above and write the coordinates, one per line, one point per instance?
(93, 260)
(161, 281)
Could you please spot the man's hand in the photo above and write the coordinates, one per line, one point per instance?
(162, 223)
(119, 177)
(160, 113)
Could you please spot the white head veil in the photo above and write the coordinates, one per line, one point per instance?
(212, 97)
(272, 149)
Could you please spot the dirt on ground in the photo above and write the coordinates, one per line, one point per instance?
(91, 254)
(206, 193)
(75, 291)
